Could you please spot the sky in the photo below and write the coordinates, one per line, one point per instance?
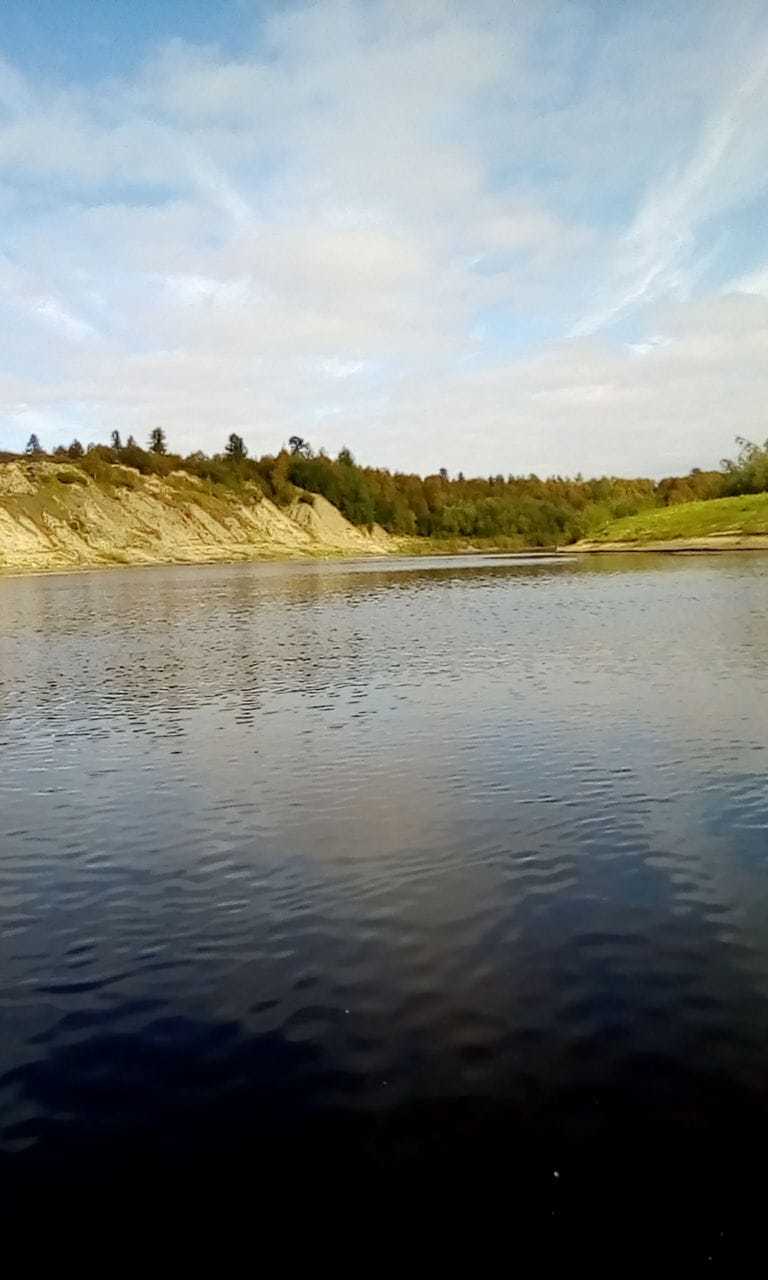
(486, 235)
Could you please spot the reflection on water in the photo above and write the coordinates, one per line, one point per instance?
(461, 862)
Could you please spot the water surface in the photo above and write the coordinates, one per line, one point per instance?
(442, 865)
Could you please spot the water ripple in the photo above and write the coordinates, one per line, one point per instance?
(458, 857)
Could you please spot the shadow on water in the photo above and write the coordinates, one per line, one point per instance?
(198, 1116)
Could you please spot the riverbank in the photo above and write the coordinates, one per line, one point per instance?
(55, 517)
(718, 524)
(674, 546)
(59, 517)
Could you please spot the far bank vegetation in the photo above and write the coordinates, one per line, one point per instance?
(508, 511)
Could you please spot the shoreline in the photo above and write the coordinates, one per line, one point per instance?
(712, 544)
(687, 546)
(65, 570)
(321, 557)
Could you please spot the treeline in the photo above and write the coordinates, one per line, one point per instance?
(524, 510)
(748, 473)
(539, 512)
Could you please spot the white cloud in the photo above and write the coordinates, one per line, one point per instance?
(386, 219)
(752, 282)
(656, 256)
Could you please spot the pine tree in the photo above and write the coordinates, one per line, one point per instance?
(236, 449)
(298, 445)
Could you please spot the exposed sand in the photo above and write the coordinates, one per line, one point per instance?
(328, 527)
(53, 517)
(712, 542)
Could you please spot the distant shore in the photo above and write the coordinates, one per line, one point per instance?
(286, 558)
(58, 516)
(693, 546)
(673, 546)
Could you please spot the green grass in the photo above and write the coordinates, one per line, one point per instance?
(747, 515)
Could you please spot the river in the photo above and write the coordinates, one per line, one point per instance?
(436, 865)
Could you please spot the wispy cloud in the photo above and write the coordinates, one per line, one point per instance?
(492, 230)
(658, 254)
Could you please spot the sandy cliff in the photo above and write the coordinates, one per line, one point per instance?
(53, 516)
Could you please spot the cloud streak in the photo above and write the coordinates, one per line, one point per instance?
(447, 234)
(656, 257)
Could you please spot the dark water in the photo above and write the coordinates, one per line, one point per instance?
(446, 870)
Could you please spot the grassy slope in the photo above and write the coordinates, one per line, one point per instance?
(747, 515)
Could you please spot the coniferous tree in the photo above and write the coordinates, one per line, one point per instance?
(300, 446)
(236, 449)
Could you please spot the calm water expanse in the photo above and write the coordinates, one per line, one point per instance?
(441, 867)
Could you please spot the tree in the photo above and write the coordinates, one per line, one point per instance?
(443, 473)
(33, 445)
(345, 457)
(236, 449)
(278, 479)
(131, 443)
(75, 450)
(115, 438)
(157, 441)
(300, 446)
(749, 473)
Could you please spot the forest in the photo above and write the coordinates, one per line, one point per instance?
(511, 510)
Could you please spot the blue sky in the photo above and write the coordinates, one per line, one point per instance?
(481, 235)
